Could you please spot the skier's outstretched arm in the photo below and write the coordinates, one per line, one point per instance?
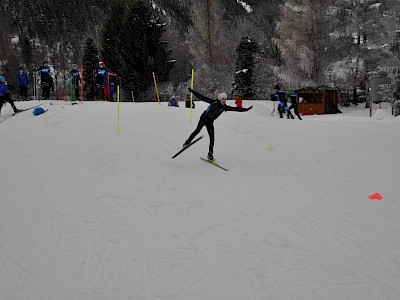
(201, 97)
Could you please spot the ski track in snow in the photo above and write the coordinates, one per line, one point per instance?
(87, 213)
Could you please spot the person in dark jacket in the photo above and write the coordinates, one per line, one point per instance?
(23, 83)
(294, 105)
(75, 81)
(5, 95)
(214, 110)
(102, 79)
(45, 79)
(282, 106)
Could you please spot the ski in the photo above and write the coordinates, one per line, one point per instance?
(184, 148)
(28, 108)
(21, 110)
(213, 163)
(64, 103)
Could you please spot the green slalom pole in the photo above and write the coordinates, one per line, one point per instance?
(191, 97)
(118, 126)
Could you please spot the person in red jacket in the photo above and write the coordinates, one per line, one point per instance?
(239, 102)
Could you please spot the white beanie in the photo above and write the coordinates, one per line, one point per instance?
(222, 95)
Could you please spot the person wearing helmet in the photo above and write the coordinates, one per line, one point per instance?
(102, 79)
(75, 81)
(213, 111)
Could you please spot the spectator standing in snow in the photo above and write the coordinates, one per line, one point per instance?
(102, 79)
(113, 91)
(239, 102)
(188, 102)
(173, 102)
(75, 81)
(23, 83)
(45, 79)
(282, 106)
(5, 95)
(294, 105)
(214, 110)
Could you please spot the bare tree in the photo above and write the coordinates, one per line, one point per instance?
(302, 41)
(207, 42)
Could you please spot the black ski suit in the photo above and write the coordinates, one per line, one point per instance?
(207, 118)
(294, 105)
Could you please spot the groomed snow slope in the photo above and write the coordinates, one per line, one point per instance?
(89, 213)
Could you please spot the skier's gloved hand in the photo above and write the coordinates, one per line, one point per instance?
(249, 108)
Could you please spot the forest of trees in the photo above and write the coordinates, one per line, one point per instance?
(244, 52)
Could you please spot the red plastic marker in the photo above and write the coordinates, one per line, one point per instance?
(375, 196)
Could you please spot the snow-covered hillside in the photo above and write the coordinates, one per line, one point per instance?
(90, 213)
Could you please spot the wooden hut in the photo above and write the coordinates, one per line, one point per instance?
(318, 100)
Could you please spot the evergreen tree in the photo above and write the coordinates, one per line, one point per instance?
(206, 34)
(26, 51)
(245, 68)
(363, 33)
(210, 47)
(392, 26)
(90, 65)
(111, 36)
(142, 50)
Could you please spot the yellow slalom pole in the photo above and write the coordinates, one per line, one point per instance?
(191, 97)
(155, 84)
(118, 127)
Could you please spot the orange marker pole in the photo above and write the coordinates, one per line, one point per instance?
(155, 84)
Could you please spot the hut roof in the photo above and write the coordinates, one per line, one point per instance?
(316, 88)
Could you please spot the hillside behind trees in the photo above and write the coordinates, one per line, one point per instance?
(331, 42)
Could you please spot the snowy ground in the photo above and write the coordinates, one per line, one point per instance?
(89, 213)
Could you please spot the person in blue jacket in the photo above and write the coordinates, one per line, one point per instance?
(5, 95)
(113, 91)
(173, 102)
(23, 83)
(214, 110)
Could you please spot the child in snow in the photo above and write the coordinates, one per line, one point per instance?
(294, 105)
(5, 95)
(113, 91)
(23, 83)
(239, 102)
(173, 102)
(214, 110)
